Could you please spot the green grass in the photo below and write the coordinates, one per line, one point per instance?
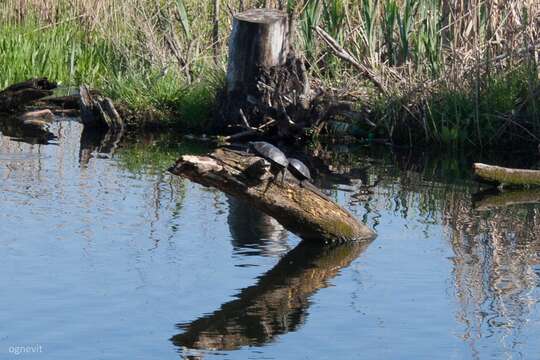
(70, 56)
(440, 59)
(60, 53)
(457, 116)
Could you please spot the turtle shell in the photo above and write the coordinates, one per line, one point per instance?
(270, 152)
(299, 169)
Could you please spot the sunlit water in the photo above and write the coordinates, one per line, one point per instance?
(104, 255)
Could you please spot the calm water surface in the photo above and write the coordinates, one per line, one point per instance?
(106, 256)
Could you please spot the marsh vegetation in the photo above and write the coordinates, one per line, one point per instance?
(453, 72)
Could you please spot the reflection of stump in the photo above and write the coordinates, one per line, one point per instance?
(94, 140)
(267, 86)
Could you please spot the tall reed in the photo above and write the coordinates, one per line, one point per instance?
(455, 71)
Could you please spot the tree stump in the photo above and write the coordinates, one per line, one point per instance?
(299, 206)
(267, 87)
(259, 39)
(98, 111)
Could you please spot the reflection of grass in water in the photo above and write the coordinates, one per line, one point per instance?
(413, 186)
(156, 156)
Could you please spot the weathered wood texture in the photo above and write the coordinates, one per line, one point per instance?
(267, 89)
(22, 94)
(259, 39)
(299, 207)
(98, 111)
(507, 176)
(43, 115)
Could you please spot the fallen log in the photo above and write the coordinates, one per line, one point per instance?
(299, 206)
(507, 176)
(68, 102)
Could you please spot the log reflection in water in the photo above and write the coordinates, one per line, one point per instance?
(493, 199)
(495, 239)
(277, 304)
(254, 232)
(96, 140)
(15, 129)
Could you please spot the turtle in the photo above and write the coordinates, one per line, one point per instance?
(276, 157)
(299, 169)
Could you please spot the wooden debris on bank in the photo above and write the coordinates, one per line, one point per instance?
(98, 111)
(68, 102)
(19, 95)
(300, 207)
(507, 176)
(43, 115)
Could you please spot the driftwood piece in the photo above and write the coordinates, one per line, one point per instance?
(68, 102)
(507, 176)
(98, 111)
(276, 305)
(43, 115)
(18, 95)
(300, 207)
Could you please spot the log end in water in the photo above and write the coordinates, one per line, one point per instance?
(507, 176)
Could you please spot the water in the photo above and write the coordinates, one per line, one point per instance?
(106, 256)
